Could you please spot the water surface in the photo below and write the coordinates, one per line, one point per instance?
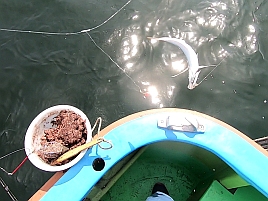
(41, 70)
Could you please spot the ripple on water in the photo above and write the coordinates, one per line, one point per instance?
(38, 71)
(207, 24)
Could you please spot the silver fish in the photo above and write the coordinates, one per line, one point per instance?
(194, 68)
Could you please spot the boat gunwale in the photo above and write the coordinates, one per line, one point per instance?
(137, 115)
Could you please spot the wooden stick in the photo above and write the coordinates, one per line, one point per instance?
(77, 150)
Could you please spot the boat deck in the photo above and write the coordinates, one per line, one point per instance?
(186, 162)
(133, 178)
(189, 173)
(136, 184)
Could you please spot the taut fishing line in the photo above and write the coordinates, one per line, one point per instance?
(2, 182)
(82, 32)
(75, 33)
(6, 188)
(114, 62)
(13, 152)
(15, 170)
(216, 66)
(67, 33)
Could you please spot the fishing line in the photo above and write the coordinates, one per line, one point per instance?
(114, 62)
(67, 33)
(82, 32)
(87, 30)
(6, 188)
(180, 72)
(13, 152)
(16, 169)
(210, 72)
(8, 117)
(256, 21)
(39, 32)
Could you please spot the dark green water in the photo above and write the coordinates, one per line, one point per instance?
(41, 70)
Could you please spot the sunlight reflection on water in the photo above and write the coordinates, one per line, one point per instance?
(206, 23)
(38, 71)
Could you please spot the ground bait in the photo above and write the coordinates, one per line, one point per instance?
(69, 129)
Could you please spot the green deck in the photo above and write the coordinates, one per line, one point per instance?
(217, 192)
(145, 172)
(186, 170)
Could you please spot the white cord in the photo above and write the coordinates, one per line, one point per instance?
(102, 139)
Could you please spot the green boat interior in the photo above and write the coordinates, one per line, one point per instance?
(189, 173)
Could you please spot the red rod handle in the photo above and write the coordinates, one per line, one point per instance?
(18, 167)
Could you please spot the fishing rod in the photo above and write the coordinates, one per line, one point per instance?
(6, 188)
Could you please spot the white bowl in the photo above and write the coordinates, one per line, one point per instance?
(36, 130)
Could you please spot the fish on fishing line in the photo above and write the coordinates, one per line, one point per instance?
(193, 64)
(194, 68)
